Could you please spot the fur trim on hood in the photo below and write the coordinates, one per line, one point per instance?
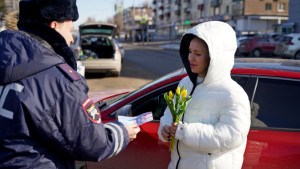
(221, 41)
(57, 41)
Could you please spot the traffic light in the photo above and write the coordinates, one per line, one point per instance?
(187, 22)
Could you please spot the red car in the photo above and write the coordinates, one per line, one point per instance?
(273, 87)
(257, 46)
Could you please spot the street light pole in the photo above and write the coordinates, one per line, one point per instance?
(133, 23)
(148, 21)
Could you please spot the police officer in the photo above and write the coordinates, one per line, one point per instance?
(47, 119)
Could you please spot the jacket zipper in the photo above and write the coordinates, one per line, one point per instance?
(182, 123)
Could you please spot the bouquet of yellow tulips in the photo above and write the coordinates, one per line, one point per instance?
(177, 107)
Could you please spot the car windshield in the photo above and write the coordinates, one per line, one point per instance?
(117, 99)
(96, 31)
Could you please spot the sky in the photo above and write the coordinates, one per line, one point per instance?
(101, 9)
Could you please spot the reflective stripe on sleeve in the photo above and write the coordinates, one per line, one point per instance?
(113, 128)
(121, 136)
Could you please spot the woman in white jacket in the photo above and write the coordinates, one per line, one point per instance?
(213, 130)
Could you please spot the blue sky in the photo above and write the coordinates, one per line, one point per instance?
(101, 9)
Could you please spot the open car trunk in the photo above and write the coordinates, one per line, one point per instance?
(97, 47)
(96, 40)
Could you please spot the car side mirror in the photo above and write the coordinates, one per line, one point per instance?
(124, 111)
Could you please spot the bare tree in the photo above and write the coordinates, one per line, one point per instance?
(90, 20)
(2, 9)
(118, 20)
(110, 20)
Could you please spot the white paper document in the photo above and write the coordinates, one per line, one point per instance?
(139, 120)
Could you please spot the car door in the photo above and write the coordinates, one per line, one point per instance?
(147, 151)
(273, 141)
(262, 43)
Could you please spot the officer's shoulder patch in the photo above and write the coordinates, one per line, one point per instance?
(91, 111)
(68, 71)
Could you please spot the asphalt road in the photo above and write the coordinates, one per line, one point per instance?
(153, 59)
(142, 64)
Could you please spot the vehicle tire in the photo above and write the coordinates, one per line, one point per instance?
(256, 53)
(115, 74)
(297, 55)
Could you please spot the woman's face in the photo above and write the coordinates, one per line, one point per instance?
(198, 57)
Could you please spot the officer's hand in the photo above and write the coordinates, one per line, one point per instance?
(132, 129)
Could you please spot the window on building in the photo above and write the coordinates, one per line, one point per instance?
(216, 11)
(201, 13)
(268, 6)
(281, 7)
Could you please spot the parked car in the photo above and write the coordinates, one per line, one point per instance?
(121, 48)
(100, 54)
(76, 49)
(256, 46)
(273, 87)
(238, 42)
(75, 46)
(80, 68)
(289, 46)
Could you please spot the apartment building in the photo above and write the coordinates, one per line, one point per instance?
(174, 17)
(294, 15)
(136, 22)
(258, 15)
(11, 5)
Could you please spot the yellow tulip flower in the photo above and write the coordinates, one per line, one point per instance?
(170, 95)
(184, 93)
(178, 90)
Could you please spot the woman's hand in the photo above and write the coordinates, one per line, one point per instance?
(166, 133)
(173, 129)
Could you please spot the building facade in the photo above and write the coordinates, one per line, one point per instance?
(174, 17)
(137, 23)
(294, 15)
(259, 16)
(11, 5)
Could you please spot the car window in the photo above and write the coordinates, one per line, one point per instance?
(246, 82)
(246, 41)
(262, 40)
(276, 104)
(154, 103)
(241, 80)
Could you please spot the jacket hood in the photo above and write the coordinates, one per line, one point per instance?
(221, 41)
(22, 56)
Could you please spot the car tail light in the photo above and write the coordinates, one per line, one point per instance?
(289, 43)
(117, 52)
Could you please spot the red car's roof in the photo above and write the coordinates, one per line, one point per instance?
(268, 67)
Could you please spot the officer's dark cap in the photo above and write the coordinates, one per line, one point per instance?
(48, 10)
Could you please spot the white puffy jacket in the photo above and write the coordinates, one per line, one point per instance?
(216, 122)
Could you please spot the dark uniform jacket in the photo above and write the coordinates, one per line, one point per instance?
(46, 117)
